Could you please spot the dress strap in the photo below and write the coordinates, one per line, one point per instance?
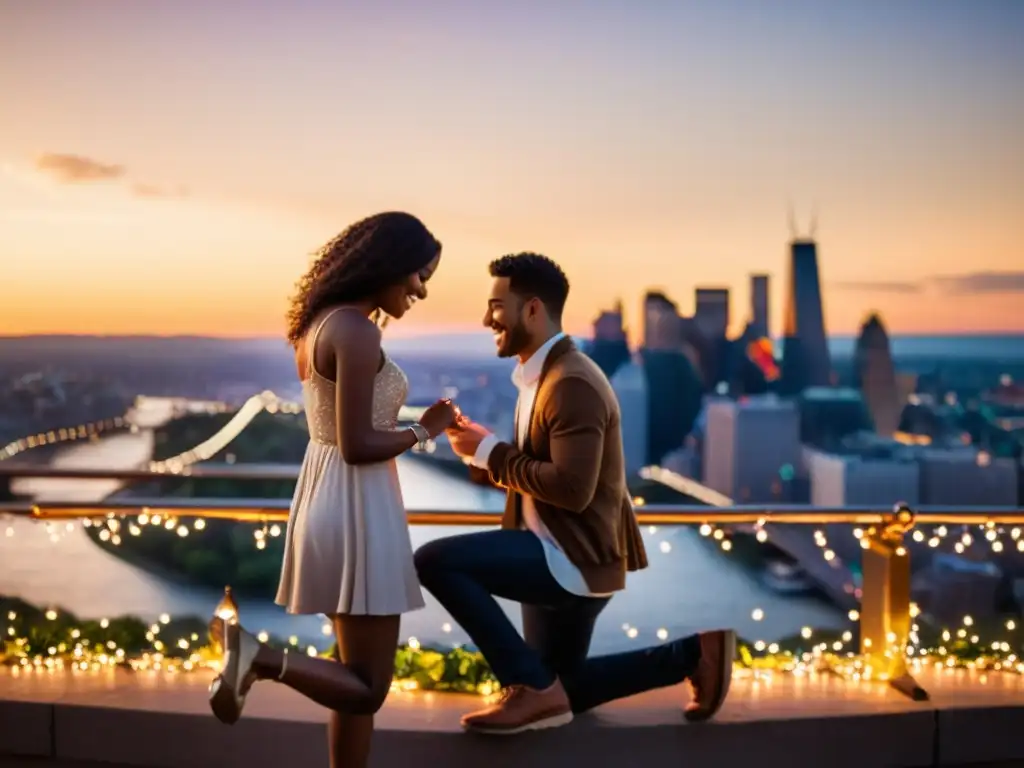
(311, 344)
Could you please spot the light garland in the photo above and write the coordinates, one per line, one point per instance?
(85, 431)
(37, 640)
(34, 639)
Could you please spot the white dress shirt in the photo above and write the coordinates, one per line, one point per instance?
(526, 378)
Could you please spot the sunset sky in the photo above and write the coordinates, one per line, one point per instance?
(168, 166)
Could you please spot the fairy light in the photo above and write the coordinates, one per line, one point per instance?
(109, 531)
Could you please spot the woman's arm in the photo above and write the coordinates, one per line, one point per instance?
(356, 346)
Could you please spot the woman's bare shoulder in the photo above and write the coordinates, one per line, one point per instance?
(349, 327)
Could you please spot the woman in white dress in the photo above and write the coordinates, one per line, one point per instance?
(347, 553)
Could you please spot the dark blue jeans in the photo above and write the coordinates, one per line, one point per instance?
(465, 573)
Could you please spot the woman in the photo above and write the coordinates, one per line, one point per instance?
(347, 552)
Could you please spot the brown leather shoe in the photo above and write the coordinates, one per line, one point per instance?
(710, 683)
(522, 709)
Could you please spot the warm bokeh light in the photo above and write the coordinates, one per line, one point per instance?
(168, 171)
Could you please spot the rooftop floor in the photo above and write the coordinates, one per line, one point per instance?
(157, 719)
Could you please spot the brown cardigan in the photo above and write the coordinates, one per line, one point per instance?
(573, 467)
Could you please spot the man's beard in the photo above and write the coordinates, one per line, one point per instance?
(517, 338)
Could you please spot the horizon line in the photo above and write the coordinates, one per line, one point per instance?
(481, 332)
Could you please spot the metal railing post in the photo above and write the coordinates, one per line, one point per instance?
(885, 621)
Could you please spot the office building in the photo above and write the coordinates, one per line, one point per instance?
(806, 361)
(712, 312)
(966, 477)
(875, 376)
(880, 478)
(630, 386)
(759, 307)
(750, 448)
(661, 322)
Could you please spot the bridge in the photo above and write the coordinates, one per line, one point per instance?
(153, 411)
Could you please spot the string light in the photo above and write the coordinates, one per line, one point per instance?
(52, 641)
(86, 431)
(35, 640)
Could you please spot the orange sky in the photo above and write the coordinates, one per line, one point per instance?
(214, 153)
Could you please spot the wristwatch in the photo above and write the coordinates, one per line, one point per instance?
(422, 436)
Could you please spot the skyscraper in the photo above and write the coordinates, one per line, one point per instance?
(712, 312)
(661, 322)
(609, 347)
(630, 386)
(750, 446)
(876, 376)
(711, 317)
(759, 306)
(805, 356)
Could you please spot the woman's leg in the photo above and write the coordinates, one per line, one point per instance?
(366, 645)
(333, 685)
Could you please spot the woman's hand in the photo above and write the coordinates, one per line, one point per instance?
(440, 416)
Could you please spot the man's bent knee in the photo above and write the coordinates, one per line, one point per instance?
(429, 558)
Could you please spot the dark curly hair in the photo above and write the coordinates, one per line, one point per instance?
(531, 275)
(369, 256)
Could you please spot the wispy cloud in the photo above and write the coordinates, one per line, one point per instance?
(980, 282)
(879, 286)
(68, 168)
(76, 169)
(970, 283)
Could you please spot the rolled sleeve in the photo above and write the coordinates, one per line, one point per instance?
(483, 452)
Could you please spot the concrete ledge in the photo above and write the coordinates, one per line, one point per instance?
(981, 734)
(174, 740)
(26, 728)
(84, 720)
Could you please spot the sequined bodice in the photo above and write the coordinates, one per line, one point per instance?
(389, 392)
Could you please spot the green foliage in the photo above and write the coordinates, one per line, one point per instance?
(224, 551)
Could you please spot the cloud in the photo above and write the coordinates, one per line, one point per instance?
(879, 286)
(980, 282)
(967, 284)
(69, 168)
(75, 169)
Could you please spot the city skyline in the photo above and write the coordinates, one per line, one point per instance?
(171, 167)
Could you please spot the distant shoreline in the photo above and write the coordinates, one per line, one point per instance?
(419, 337)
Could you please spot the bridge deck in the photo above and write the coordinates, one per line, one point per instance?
(150, 719)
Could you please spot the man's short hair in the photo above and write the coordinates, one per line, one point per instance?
(531, 275)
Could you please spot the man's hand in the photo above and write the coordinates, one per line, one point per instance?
(466, 438)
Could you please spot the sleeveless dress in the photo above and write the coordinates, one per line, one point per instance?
(347, 548)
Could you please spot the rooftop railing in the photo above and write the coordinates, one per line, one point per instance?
(885, 615)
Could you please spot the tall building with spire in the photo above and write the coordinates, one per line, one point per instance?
(805, 357)
(875, 376)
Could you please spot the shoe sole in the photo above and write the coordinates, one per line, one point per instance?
(726, 663)
(223, 702)
(555, 721)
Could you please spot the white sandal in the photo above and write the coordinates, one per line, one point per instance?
(228, 690)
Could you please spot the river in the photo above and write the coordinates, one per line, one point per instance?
(689, 586)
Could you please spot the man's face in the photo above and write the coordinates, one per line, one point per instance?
(509, 317)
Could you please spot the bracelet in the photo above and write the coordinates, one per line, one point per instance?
(422, 436)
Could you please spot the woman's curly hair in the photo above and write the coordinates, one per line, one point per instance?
(370, 255)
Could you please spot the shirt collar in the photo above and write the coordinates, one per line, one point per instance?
(527, 375)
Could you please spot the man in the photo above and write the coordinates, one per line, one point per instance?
(568, 534)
